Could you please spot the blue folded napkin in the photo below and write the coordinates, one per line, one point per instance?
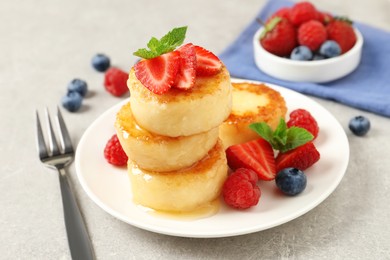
(367, 88)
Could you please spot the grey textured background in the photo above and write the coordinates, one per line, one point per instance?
(44, 44)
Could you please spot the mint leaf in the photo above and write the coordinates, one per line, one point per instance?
(280, 134)
(144, 53)
(152, 44)
(263, 129)
(174, 38)
(166, 44)
(296, 136)
(283, 138)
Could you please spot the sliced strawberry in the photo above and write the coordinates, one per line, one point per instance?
(185, 78)
(301, 157)
(158, 74)
(256, 155)
(207, 63)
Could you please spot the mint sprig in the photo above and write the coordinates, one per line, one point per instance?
(167, 43)
(283, 138)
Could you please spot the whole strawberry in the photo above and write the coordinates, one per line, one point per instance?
(325, 17)
(279, 37)
(341, 31)
(312, 34)
(283, 12)
(303, 12)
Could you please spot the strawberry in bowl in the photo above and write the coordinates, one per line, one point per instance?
(302, 43)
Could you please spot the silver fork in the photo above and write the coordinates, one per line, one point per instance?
(58, 158)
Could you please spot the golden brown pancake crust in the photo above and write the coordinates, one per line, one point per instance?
(276, 106)
(203, 86)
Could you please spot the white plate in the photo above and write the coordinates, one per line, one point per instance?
(109, 186)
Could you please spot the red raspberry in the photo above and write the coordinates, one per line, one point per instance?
(113, 152)
(312, 34)
(303, 118)
(303, 12)
(247, 174)
(240, 190)
(115, 81)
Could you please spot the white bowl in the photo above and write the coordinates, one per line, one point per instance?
(307, 71)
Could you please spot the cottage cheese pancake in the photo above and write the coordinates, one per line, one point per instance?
(182, 113)
(183, 190)
(251, 103)
(157, 152)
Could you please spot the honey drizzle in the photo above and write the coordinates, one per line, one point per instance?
(204, 211)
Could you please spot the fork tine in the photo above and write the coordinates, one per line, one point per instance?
(64, 138)
(52, 139)
(41, 141)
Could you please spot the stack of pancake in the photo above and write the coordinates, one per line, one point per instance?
(177, 162)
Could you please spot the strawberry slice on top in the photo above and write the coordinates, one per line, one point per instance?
(185, 78)
(207, 63)
(158, 74)
(256, 155)
(163, 66)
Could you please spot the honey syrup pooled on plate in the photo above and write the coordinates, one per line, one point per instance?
(207, 210)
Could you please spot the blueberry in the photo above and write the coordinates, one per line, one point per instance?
(78, 85)
(291, 181)
(359, 125)
(318, 57)
(301, 53)
(101, 62)
(330, 49)
(72, 101)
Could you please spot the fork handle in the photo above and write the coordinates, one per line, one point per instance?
(78, 238)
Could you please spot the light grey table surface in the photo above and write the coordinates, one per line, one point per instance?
(44, 44)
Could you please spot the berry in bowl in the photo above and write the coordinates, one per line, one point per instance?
(306, 45)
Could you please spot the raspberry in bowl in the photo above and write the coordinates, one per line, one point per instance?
(306, 45)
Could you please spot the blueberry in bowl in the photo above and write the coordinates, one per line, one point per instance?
(282, 45)
(301, 53)
(330, 49)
